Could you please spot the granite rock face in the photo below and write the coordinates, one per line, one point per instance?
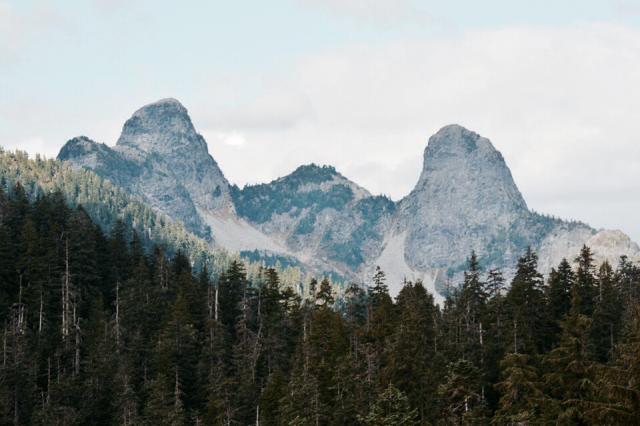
(162, 159)
(465, 199)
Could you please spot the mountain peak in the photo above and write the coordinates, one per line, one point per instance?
(460, 163)
(161, 126)
(465, 188)
(314, 172)
(161, 158)
(314, 175)
(166, 105)
(453, 129)
(455, 141)
(82, 146)
(79, 143)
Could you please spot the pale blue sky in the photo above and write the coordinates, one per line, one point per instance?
(358, 84)
(76, 52)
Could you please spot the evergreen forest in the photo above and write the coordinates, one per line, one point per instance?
(103, 329)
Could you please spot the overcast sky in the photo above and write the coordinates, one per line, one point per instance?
(357, 84)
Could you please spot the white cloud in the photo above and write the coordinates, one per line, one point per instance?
(626, 7)
(10, 39)
(231, 139)
(273, 110)
(561, 105)
(18, 30)
(34, 144)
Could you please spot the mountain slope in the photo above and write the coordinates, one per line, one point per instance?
(318, 213)
(106, 204)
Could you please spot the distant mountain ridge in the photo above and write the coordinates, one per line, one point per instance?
(465, 199)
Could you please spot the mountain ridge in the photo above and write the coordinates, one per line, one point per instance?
(465, 199)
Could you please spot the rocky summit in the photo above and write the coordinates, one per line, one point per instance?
(162, 159)
(465, 199)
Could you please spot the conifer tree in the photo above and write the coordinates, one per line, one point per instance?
(411, 355)
(325, 294)
(570, 373)
(520, 392)
(271, 400)
(246, 352)
(164, 402)
(472, 302)
(231, 288)
(379, 327)
(495, 284)
(524, 302)
(379, 291)
(628, 280)
(391, 409)
(558, 295)
(619, 382)
(177, 352)
(496, 339)
(586, 282)
(605, 327)
(461, 394)
(355, 311)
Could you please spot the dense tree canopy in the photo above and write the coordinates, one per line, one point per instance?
(101, 329)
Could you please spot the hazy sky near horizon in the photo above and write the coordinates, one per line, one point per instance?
(357, 84)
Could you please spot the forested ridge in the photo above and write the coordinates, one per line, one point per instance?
(107, 204)
(104, 202)
(99, 330)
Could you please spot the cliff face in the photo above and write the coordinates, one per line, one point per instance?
(465, 199)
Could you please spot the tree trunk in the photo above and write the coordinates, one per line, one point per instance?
(118, 316)
(65, 294)
(40, 313)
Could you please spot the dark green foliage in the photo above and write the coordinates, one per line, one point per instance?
(619, 383)
(379, 292)
(585, 285)
(269, 259)
(524, 302)
(606, 325)
(570, 373)
(259, 202)
(411, 356)
(558, 294)
(520, 390)
(461, 394)
(98, 329)
(391, 409)
(472, 301)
